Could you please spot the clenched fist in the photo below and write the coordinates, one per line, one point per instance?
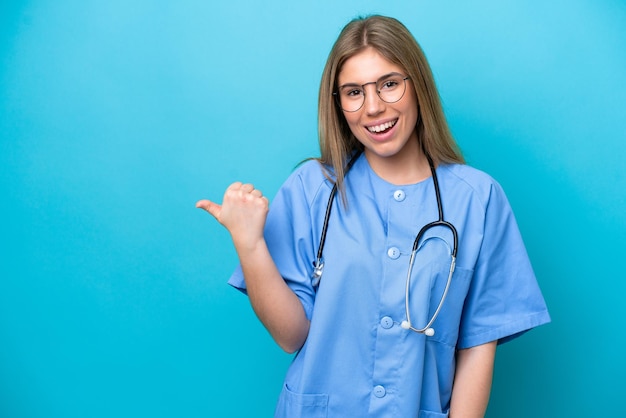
(243, 212)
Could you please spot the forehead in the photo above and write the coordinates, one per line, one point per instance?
(368, 65)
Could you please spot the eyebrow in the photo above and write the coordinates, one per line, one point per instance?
(382, 77)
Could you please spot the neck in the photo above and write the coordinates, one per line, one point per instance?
(406, 167)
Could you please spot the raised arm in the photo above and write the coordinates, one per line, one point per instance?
(243, 212)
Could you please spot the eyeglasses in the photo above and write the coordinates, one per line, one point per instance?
(390, 88)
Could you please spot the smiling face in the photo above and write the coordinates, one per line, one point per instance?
(386, 130)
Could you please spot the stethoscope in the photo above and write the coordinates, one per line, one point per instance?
(318, 264)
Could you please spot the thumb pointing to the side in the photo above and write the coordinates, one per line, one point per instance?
(211, 207)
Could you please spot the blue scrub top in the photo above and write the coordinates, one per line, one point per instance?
(357, 360)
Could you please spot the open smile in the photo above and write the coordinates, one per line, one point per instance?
(383, 127)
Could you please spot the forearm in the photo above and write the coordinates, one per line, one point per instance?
(276, 305)
(243, 212)
(472, 381)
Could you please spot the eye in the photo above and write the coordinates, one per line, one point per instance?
(352, 92)
(389, 84)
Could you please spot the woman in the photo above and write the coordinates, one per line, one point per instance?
(397, 326)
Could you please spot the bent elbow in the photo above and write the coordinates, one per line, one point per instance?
(290, 349)
(293, 342)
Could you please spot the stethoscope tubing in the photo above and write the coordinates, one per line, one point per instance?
(318, 264)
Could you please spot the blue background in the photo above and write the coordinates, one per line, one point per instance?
(116, 116)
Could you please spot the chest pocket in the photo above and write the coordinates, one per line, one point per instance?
(428, 285)
(447, 323)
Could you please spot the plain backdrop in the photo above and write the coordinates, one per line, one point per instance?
(116, 116)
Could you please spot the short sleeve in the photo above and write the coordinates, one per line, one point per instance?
(289, 239)
(504, 299)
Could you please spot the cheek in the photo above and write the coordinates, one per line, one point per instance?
(413, 118)
(409, 114)
(351, 118)
(412, 107)
(353, 122)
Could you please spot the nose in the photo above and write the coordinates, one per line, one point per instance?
(373, 104)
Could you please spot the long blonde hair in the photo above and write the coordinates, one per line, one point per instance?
(394, 41)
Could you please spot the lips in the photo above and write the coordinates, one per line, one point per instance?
(383, 127)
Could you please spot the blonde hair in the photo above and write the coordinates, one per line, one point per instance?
(393, 41)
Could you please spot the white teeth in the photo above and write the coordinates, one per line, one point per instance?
(382, 127)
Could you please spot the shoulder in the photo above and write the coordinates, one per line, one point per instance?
(472, 177)
(310, 170)
(474, 181)
(308, 180)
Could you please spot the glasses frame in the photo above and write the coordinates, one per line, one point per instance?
(375, 83)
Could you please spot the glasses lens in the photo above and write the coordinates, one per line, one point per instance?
(351, 98)
(391, 89)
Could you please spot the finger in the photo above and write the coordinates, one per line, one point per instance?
(247, 188)
(235, 186)
(211, 207)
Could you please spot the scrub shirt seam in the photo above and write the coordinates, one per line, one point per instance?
(311, 204)
(315, 196)
(475, 191)
(391, 381)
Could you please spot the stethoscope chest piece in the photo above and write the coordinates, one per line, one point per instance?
(318, 270)
(429, 332)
